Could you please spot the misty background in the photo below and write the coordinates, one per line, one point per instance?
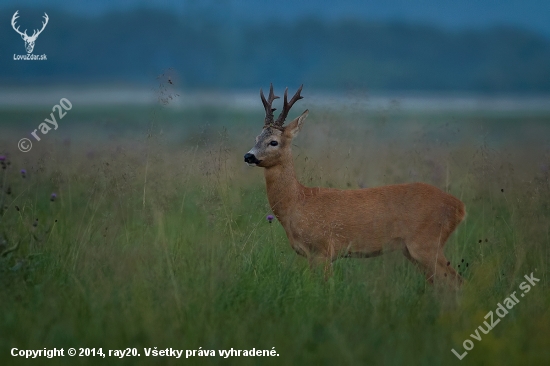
(483, 48)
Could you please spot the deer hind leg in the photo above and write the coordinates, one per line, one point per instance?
(443, 264)
(446, 271)
(432, 262)
(420, 264)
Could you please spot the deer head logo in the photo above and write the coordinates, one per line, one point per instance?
(29, 40)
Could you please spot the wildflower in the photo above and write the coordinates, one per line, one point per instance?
(53, 196)
(2, 158)
(270, 218)
(23, 173)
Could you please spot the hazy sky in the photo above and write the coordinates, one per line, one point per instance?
(456, 14)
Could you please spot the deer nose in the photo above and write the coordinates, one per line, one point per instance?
(250, 158)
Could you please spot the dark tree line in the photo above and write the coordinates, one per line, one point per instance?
(207, 52)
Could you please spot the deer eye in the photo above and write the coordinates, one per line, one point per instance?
(274, 143)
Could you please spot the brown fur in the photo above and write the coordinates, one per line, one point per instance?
(324, 224)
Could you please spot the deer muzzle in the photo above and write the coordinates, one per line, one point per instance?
(250, 158)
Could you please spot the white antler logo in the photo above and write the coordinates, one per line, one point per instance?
(29, 41)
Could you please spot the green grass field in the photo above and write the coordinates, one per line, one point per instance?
(158, 238)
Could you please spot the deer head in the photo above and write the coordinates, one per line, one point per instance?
(273, 145)
(29, 40)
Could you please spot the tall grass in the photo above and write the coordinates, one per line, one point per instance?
(158, 238)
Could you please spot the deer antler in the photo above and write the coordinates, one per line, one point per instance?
(267, 105)
(35, 34)
(287, 106)
(13, 19)
(24, 34)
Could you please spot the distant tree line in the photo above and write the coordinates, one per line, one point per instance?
(213, 52)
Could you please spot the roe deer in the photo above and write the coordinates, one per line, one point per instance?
(324, 224)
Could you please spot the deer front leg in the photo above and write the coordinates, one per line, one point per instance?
(317, 261)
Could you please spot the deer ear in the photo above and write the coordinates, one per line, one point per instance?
(292, 129)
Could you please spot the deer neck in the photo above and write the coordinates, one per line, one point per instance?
(283, 189)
